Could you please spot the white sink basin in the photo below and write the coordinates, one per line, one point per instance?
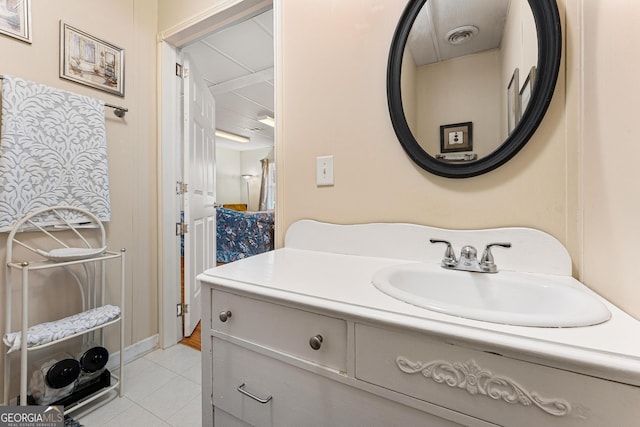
(505, 297)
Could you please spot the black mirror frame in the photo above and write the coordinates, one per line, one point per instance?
(549, 32)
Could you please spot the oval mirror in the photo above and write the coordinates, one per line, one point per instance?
(469, 81)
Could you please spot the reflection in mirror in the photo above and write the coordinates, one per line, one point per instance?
(458, 63)
(447, 102)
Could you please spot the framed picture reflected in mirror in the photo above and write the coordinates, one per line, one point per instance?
(456, 137)
(527, 88)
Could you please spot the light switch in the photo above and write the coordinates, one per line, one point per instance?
(324, 171)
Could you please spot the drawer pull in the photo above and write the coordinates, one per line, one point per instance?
(316, 342)
(253, 396)
(224, 315)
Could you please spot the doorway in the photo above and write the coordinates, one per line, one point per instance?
(240, 85)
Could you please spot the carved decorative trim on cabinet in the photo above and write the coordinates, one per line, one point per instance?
(475, 380)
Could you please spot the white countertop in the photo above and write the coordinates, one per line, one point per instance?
(329, 267)
(342, 284)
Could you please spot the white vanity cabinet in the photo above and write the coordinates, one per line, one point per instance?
(379, 361)
(500, 389)
(264, 371)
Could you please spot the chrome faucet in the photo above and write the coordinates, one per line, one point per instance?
(469, 258)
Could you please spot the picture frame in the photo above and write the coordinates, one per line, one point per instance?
(15, 19)
(456, 137)
(527, 88)
(513, 101)
(87, 60)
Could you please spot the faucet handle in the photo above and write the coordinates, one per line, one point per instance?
(486, 262)
(449, 259)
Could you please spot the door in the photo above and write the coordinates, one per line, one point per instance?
(200, 195)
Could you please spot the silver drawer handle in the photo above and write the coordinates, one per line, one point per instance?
(253, 396)
(316, 342)
(224, 315)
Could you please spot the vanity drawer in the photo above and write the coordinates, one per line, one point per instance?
(489, 386)
(281, 328)
(284, 395)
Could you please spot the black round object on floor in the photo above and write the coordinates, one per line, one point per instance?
(94, 359)
(63, 373)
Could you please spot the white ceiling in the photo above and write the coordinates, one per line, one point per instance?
(237, 66)
(428, 37)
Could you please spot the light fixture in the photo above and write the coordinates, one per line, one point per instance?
(231, 136)
(267, 120)
(461, 34)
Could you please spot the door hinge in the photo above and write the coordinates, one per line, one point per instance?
(179, 70)
(181, 188)
(182, 309)
(181, 228)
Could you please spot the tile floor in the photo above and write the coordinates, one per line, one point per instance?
(162, 388)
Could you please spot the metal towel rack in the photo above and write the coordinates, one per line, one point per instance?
(117, 110)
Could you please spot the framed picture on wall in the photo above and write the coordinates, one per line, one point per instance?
(527, 87)
(15, 19)
(513, 101)
(90, 61)
(456, 137)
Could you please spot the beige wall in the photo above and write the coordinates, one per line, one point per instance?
(332, 73)
(463, 89)
(180, 22)
(610, 149)
(172, 12)
(130, 24)
(334, 102)
(573, 180)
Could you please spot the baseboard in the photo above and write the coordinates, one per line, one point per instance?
(133, 352)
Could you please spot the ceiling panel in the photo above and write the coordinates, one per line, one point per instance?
(266, 21)
(247, 43)
(213, 67)
(428, 37)
(237, 64)
(261, 94)
(241, 105)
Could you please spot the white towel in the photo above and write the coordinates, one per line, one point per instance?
(52, 152)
